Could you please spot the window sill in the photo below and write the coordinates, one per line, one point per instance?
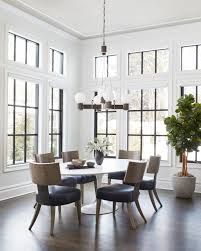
(18, 167)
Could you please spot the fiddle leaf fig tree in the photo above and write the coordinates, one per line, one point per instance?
(184, 129)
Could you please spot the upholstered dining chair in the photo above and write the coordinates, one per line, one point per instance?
(125, 193)
(47, 177)
(123, 154)
(149, 183)
(80, 179)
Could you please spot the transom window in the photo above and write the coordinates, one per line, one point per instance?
(146, 129)
(191, 57)
(196, 92)
(23, 50)
(106, 66)
(55, 121)
(106, 126)
(148, 62)
(22, 121)
(56, 61)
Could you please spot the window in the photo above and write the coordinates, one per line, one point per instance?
(146, 129)
(191, 57)
(56, 61)
(23, 50)
(148, 62)
(105, 126)
(22, 121)
(196, 92)
(106, 66)
(55, 121)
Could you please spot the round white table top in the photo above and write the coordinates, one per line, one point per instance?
(109, 165)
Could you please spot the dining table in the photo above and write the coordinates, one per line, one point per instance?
(109, 165)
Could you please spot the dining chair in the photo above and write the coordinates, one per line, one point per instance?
(149, 183)
(125, 193)
(123, 154)
(47, 177)
(80, 179)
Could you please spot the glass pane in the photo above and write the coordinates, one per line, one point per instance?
(10, 150)
(56, 99)
(148, 99)
(134, 60)
(112, 66)
(199, 94)
(101, 67)
(10, 91)
(160, 126)
(148, 123)
(56, 122)
(50, 97)
(191, 156)
(101, 122)
(134, 122)
(50, 121)
(31, 94)
(112, 122)
(10, 46)
(162, 60)
(147, 146)
(199, 57)
(19, 149)
(148, 62)
(188, 58)
(112, 140)
(50, 65)
(162, 98)
(20, 92)
(50, 143)
(31, 121)
(56, 145)
(198, 154)
(31, 148)
(58, 62)
(19, 120)
(162, 147)
(10, 120)
(134, 143)
(190, 90)
(32, 53)
(135, 103)
(20, 49)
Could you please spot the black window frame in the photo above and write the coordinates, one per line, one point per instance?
(25, 135)
(141, 110)
(52, 61)
(60, 111)
(196, 56)
(107, 61)
(26, 41)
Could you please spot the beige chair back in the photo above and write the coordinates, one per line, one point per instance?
(70, 155)
(44, 174)
(44, 158)
(123, 154)
(154, 164)
(135, 172)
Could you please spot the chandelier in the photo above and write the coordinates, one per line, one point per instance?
(106, 97)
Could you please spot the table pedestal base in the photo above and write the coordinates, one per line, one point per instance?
(106, 208)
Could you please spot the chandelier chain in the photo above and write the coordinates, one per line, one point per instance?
(104, 21)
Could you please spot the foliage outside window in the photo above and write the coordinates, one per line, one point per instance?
(55, 121)
(56, 61)
(23, 50)
(106, 66)
(146, 128)
(22, 121)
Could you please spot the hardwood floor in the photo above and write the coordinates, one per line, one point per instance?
(175, 227)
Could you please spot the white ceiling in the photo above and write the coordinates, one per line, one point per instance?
(84, 17)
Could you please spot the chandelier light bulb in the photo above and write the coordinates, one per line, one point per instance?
(80, 98)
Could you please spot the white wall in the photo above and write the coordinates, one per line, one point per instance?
(16, 180)
(172, 38)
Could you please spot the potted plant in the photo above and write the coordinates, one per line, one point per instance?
(184, 134)
(100, 147)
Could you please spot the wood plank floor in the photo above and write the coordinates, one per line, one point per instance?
(175, 227)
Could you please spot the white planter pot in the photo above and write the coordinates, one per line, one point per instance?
(184, 186)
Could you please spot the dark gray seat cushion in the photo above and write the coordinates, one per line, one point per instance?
(68, 181)
(59, 195)
(117, 175)
(83, 179)
(116, 192)
(147, 183)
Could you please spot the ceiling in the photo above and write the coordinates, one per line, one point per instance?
(83, 18)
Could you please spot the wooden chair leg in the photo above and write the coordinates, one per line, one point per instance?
(140, 210)
(37, 210)
(109, 181)
(78, 205)
(52, 210)
(114, 207)
(95, 185)
(132, 220)
(35, 205)
(98, 205)
(156, 195)
(82, 192)
(152, 200)
(59, 209)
